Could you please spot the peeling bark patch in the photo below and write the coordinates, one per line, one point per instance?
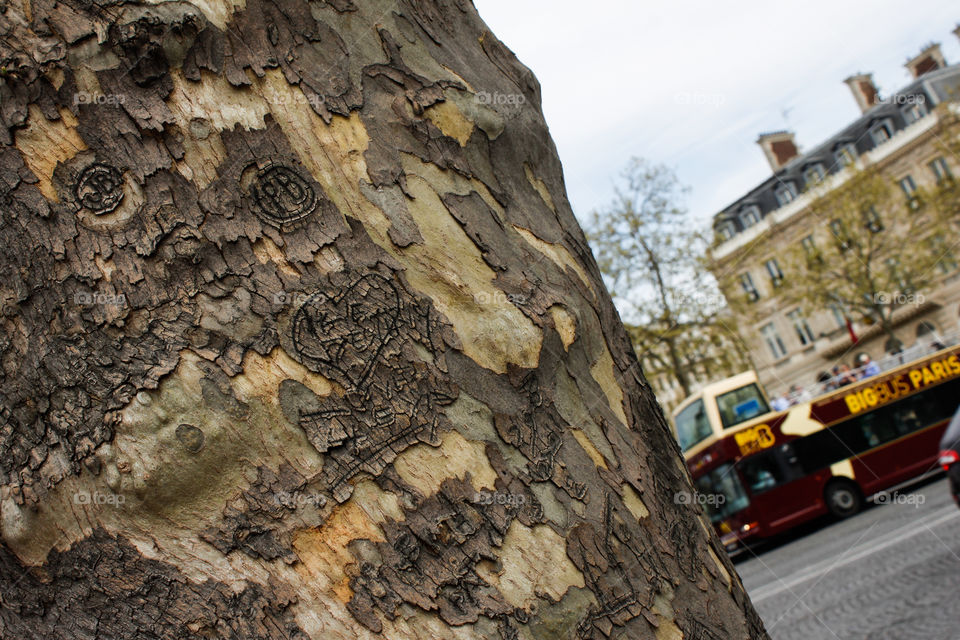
(425, 468)
(612, 560)
(366, 433)
(698, 630)
(533, 563)
(430, 561)
(537, 431)
(103, 588)
(253, 523)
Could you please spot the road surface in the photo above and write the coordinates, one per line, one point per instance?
(890, 573)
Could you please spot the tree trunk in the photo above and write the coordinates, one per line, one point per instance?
(301, 339)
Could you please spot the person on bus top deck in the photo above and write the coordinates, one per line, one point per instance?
(798, 395)
(826, 379)
(780, 403)
(843, 376)
(867, 366)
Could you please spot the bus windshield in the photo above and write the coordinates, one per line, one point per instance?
(740, 405)
(722, 492)
(692, 425)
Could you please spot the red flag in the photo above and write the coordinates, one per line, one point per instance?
(853, 334)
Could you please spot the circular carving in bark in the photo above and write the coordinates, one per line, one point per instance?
(100, 188)
(190, 437)
(282, 196)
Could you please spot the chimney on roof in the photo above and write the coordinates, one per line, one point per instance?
(930, 59)
(864, 91)
(779, 148)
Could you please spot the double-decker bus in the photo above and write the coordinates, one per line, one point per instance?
(761, 472)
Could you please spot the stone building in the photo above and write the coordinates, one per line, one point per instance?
(902, 136)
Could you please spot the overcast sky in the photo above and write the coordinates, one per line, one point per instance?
(691, 84)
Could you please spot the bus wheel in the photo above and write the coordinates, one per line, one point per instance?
(843, 499)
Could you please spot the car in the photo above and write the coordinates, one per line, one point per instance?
(950, 455)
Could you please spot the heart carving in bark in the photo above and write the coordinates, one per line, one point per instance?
(342, 336)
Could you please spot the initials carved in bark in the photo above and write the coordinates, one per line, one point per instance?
(281, 196)
(99, 188)
(361, 337)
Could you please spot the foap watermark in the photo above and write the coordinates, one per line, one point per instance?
(294, 499)
(503, 99)
(715, 100)
(698, 299)
(284, 298)
(87, 97)
(499, 297)
(899, 299)
(496, 497)
(294, 97)
(89, 299)
(712, 499)
(85, 497)
(903, 99)
(886, 497)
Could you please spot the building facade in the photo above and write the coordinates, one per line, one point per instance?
(902, 136)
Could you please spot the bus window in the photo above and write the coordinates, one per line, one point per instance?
(877, 428)
(761, 472)
(740, 405)
(906, 420)
(837, 443)
(770, 469)
(728, 496)
(692, 425)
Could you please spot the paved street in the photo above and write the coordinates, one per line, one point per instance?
(890, 573)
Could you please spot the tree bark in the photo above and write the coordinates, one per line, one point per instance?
(301, 339)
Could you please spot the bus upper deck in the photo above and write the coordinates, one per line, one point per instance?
(721, 407)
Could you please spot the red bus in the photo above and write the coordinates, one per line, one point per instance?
(759, 473)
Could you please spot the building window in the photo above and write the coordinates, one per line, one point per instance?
(941, 170)
(838, 315)
(810, 248)
(909, 188)
(946, 262)
(813, 175)
(774, 343)
(786, 193)
(725, 231)
(839, 232)
(746, 283)
(872, 221)
(804, 334)
(913, 112)
(881, 132)
(773, 270)
(846, 155)
(750, 216)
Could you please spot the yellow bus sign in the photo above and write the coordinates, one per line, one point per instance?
(754, 439)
